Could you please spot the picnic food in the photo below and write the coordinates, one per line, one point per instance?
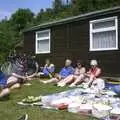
(115, 111)
(31, 99)
(101, 110)
(74, 107)
(62, 106)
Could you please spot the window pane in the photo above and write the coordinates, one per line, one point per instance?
(104, 40)
(43, 34)
(104, 24)
(43, 45)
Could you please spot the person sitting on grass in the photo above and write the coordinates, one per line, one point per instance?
(32, 67)
(21, 73)
(48, 70)
(91, 76)
(65, 72)
(4, 91)
(79, 71)
(8, 82)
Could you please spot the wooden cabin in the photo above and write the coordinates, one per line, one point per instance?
(94, 35)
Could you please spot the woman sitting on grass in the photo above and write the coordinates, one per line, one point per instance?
(12, 81)
(79, 71)
(21, 72)
(48, 70)
(65, 71)
(91, 77)
(18, 76)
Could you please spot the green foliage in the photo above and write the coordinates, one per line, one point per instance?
(82, 6)
(21, 18)
(11, 30)
(57, 6)
(7, 39)
(44, 15)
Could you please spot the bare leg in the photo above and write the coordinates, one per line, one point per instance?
(15, 86)
(78, 80)
(4, 92)
(11, 81)
(67, 80)
(91, 79)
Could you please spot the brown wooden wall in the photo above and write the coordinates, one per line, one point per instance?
(71, 40)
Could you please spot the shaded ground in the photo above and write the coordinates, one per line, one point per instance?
(9, 110)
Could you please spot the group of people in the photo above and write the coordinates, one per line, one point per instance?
(68, 75)
(74, 76)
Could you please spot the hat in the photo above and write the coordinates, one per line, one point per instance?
(93, 63)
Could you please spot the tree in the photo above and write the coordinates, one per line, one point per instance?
(83, 6)
(57, 6)
(44, 15)
(7, 38)
(21, 18)
(61, 9)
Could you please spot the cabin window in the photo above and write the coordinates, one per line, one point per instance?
(104, 34)
(43, 41)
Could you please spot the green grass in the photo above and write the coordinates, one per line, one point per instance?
(9, 110)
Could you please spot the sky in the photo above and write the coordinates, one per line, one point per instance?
(7, 7)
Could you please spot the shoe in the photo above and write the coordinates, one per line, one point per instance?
(72, 85)
(61, 84)
(43, 81)
(24, 117)
(27, 84)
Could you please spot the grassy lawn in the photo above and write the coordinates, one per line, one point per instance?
(9, 110)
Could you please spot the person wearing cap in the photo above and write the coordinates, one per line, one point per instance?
(65, 71)
(93, 73)
(79, 70)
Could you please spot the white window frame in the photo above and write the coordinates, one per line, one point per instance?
(43, 38)
(91, 31)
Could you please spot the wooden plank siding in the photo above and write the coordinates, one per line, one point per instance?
(71, 40)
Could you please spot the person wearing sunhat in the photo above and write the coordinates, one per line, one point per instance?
(94, 72)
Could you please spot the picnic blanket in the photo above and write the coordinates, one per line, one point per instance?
(113, 87)
(79, 100)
